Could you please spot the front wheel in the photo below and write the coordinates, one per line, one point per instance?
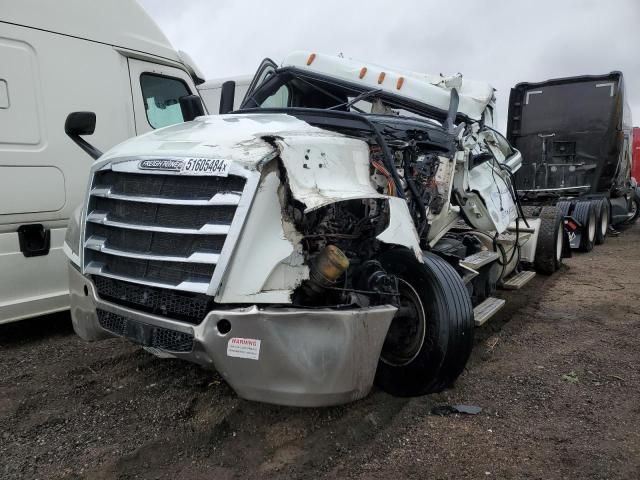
(431, 336)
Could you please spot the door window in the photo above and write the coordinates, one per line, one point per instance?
(161, 96)
(280, 99)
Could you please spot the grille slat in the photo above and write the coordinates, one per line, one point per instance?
(159, 230)
(167, 186)
(171, 273)
(162, 215)
(158, 243)
(98, 244)
(217, 199)
(103, 219)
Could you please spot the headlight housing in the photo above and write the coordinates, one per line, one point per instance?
(72, 238)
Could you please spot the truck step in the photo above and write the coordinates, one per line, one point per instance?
(519, 280)
(487, 309)
(480, 259)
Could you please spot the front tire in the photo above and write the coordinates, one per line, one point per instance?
(431, 336)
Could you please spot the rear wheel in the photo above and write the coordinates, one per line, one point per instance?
(431, 336)
(550, 241)
(586, 215)
(635, 211)
(601, 207)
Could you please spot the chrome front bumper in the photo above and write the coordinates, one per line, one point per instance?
(304, 357)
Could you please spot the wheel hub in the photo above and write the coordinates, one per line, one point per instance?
(407, 332)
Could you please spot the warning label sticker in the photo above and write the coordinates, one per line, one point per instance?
(244, 348)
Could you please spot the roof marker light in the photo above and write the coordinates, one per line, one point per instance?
(363, 72)
(381, 78)
(311, 58)
(399, 83)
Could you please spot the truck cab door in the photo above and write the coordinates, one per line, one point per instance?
(267, 68)
(156, 91)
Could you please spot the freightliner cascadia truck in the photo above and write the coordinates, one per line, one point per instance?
(349, 223)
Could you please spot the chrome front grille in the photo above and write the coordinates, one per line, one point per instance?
(164, 229)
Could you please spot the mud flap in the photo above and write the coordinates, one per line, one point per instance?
(573, 235)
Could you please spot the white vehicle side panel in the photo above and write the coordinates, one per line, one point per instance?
(31, 286)
(489, 183)
(31, 189)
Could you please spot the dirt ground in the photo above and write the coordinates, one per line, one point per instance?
(557, 375)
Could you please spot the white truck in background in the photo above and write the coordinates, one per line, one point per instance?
(211, 91)
(55, 58)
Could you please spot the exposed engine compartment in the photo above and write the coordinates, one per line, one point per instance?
(339, 240)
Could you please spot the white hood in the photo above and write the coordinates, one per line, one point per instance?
(238, 138)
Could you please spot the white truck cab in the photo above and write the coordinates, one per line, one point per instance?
(350, 223)
(57, 57)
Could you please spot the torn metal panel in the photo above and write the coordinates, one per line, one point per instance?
(325, 169)
(401, 230)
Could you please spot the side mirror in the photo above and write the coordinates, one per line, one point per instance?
(227, 97)
(82, 123)
(191, 107)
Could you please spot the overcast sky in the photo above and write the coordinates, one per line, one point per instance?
(502, 42)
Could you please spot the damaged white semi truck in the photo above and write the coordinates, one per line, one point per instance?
(349, 223)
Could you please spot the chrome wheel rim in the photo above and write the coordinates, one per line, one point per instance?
(559, 243)
(604, 221)
(592, 226)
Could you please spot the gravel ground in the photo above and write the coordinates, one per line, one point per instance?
(557, 375)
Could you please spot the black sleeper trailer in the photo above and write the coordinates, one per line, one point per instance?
(575, 137)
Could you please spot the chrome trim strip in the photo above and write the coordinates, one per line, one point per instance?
(559, 189)
(95, 268)
(101, 218)
(97, 243)
(222, 199)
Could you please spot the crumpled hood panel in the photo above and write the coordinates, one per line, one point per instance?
(239, 138)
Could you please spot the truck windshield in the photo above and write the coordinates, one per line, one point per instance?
(289, 89)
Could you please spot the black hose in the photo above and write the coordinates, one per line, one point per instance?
(414, 193)
(389, 163)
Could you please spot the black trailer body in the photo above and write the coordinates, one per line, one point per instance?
(575, 137)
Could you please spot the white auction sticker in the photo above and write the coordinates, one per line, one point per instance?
(244, 348)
